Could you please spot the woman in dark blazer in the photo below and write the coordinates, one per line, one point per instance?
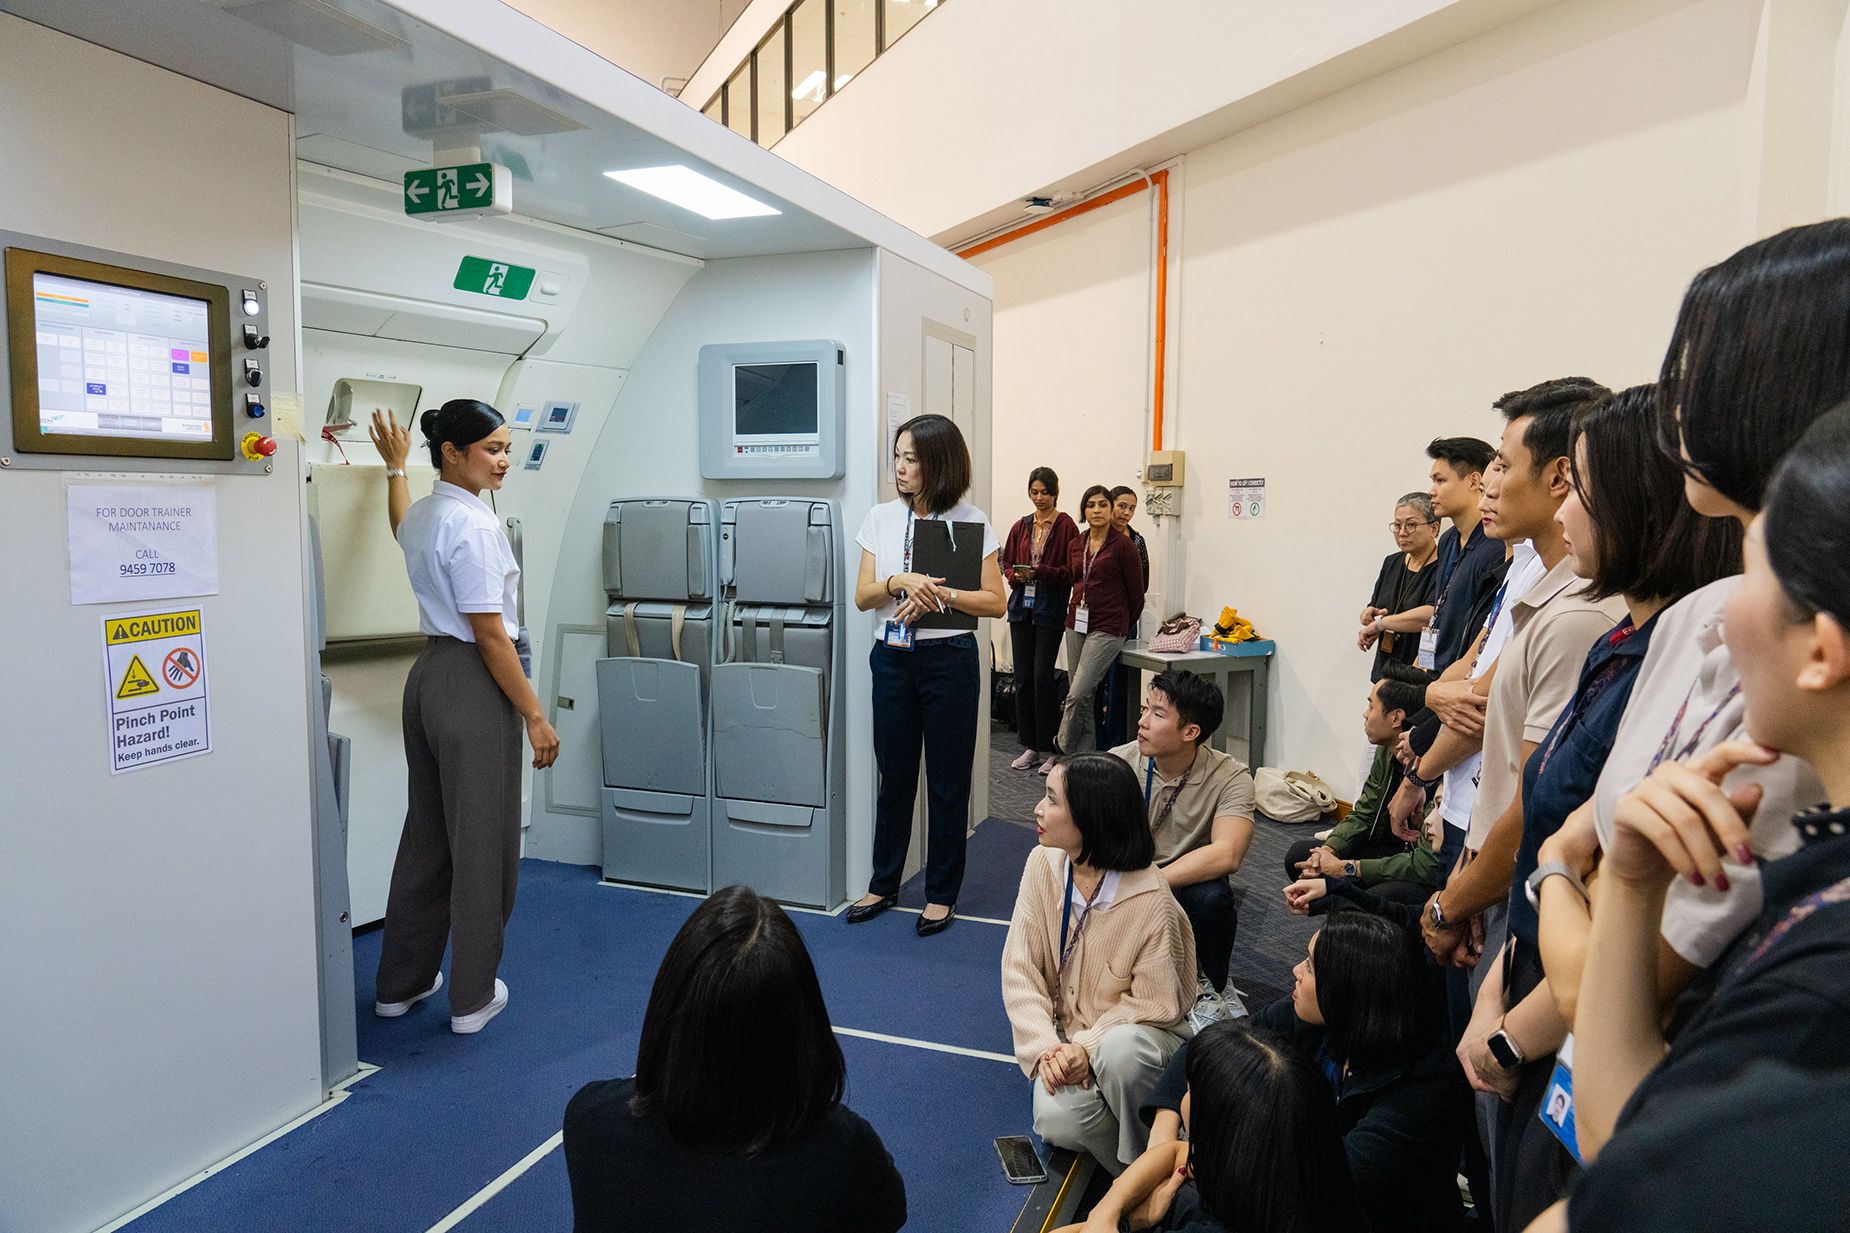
(1035, 561)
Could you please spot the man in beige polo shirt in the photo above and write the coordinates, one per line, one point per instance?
(1200, 805)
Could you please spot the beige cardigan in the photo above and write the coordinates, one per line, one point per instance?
(1134, 962)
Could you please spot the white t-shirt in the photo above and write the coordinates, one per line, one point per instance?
(883, 533)
(1460, 791)
(1685, 702)
(459, 561)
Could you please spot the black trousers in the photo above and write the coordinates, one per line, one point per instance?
(1532, 1169)
(1037, 706)
(1396, 889)
(1214, 914)
(926, 695)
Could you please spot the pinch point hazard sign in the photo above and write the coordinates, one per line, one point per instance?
(156, 718)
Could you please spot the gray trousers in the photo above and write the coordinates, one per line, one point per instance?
(1102, 1119)
(459, 854)
(1088, 658)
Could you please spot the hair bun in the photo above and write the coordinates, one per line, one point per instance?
(427, 423)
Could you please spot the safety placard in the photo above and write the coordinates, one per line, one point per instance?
(1246, 499)
(154, 669)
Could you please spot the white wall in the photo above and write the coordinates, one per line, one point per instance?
(159, 959)
(1372, 270)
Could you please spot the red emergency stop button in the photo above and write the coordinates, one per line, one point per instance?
(256, 447)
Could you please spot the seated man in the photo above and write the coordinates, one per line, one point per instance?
(1200, 806)
(1366, 845)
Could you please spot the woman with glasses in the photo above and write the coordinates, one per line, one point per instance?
(1402, 602)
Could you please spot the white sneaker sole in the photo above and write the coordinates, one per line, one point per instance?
(465, 1025)
(392, 1010)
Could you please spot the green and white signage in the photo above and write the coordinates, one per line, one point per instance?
(497, 278)
(467, 191)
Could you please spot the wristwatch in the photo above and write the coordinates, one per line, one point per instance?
(1436, 912)
(1552, 869)
(1424, 785)
(1351, 869)
(1501, 1047)
(395, 473)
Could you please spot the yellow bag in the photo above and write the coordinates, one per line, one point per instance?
(1233, 628)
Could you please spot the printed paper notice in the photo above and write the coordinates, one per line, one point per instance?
(139, 541)
(154, 677)
(1246, 499)
(898, 411)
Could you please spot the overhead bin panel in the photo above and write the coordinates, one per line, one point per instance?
(376, 315)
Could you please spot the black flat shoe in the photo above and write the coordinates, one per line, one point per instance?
(926, 928)
(867, 911)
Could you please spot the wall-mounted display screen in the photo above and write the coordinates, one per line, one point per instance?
(775, 405)
(110, 360)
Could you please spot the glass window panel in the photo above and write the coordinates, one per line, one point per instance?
(712, 110)
(739, 101)
(854, 38)
(809, 83)
(902, 15)
(773, 89)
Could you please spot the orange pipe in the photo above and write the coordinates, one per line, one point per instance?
(1160, 182)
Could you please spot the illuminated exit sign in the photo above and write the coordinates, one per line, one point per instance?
(466, 191)
(497, 278)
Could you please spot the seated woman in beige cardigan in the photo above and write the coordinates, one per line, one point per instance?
(1098, 973)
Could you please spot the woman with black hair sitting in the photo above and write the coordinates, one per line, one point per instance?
(1263, 1153)
(1365, 1004)
(1098, 972)
(734, 1120)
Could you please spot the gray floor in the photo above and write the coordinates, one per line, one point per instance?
(1271, 940)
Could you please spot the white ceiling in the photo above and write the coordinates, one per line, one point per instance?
(351, 113)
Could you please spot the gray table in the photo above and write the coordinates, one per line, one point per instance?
(1253, 660)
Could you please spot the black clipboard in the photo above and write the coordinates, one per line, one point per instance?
(952, 551)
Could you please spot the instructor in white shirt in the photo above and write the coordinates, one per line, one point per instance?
(466, 697)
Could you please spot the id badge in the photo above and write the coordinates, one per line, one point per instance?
(1027, 593)
(898, 636)
(1557, 1111)
(1429, 647)
(523, 647)
(1082, 618)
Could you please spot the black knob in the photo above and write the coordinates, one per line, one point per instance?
(253, 340)
(253, 376)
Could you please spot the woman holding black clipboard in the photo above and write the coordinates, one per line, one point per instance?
(928, 570)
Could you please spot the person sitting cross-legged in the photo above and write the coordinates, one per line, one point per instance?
(1199, 803)
(1367, 845)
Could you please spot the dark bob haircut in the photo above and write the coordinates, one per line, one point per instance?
(944, 463)
(1650, 542)
(737, 1053)
(1377, 1001)
(1195, 698)
(1808, 519)
(1263, 1136)
(1085, 499)
(1761, 349)
(1463, 454)
(1045, 477)
(1107, 807)
(460, 422)
(1551, 406)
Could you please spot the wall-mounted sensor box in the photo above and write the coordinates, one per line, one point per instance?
(536, 455)
(524, 417)
(558, 417)
(1165, 468)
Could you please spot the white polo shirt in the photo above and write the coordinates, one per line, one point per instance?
(883, 533)
(459, 561)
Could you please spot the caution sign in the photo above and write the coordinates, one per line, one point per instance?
(156, 714)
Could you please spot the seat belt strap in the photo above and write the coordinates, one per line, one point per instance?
(629, 630)
(777, 635)
(676, 622)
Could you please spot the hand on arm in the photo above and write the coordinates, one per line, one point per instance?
(503, 662)
(1142, 1193)
(1304, 892)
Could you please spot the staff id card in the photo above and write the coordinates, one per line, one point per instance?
(899, 637)
(1557, 1111)
(1027, 593)
(1429, 647)
(1082, 618)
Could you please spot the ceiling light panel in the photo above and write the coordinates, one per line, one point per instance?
(687, 188)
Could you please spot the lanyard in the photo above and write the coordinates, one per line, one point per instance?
(1149, 784)
(1835, 893)
(1496, 610)
(907, 567)
(1663, 750)
(1068, 946)
(1589, 692)
(1088, 554)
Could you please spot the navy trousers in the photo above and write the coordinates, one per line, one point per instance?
(928, 696)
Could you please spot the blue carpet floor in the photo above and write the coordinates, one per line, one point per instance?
(993, 859)
(446, 1115)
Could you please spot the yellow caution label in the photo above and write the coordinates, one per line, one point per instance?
(137, 681)
(148, 628)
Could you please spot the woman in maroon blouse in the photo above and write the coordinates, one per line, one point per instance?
(1035, 562)
(1107, 599)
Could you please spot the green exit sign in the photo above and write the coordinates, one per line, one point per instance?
(498, 278)
(466, 191)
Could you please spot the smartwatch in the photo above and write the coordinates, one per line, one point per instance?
(1424, 785)
(1508, 1056)
(1532, 888)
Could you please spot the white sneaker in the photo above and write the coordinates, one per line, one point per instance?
(1028, 758)
(1235, 1002)
(464, 1025)
(1208, 1008)
(392, 1010)
(1047, 765)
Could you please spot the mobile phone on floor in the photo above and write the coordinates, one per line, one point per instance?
(1019, 1162)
